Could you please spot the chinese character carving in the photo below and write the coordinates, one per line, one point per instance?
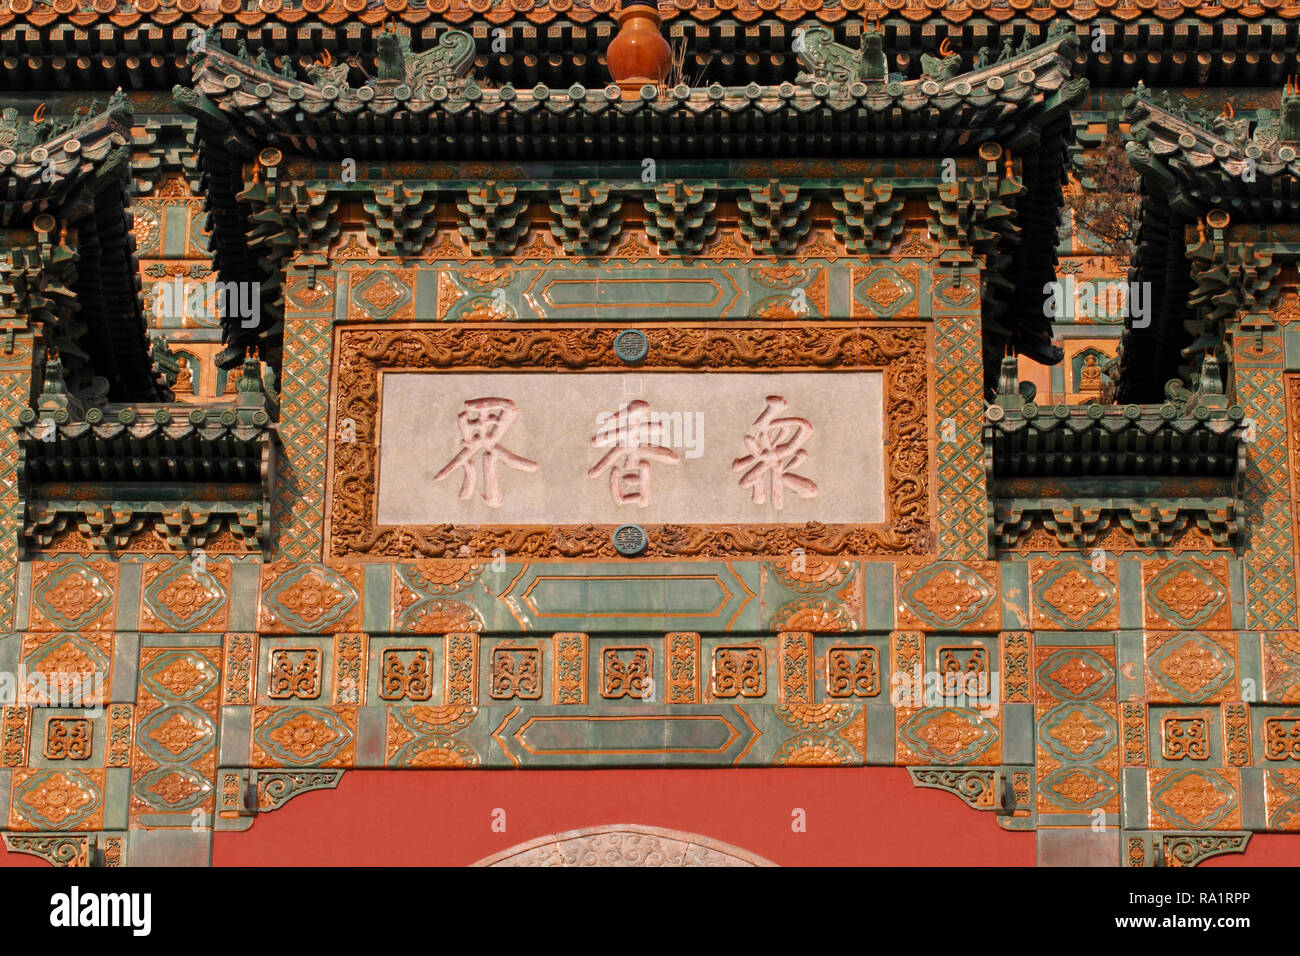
(626, 673)
(775, 449)
(739, 672)
(516, 672)
(295, 672)
(629, 437)
(406, 673)
(483, 422)
(852, 672)
(67, 738)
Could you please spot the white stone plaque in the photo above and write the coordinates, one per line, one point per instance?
(655, 447)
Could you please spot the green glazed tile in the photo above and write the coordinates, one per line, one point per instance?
(1130, 655)
(1250, 666)
(128, 596)
(243, 598)
(180, 640)
(126, 666)
(1015, 595)
(22, 595)
(1130, 593)
(1253, 813)
(1237, 591)
(236, 729)
(1291, 346)
(117, 791)
(1073, 638)
(1134, 799)
(10, 649)
(171, 847)
(377, 593)
(881, 735)
(371, 729)
(1018, 734)
(878, 596)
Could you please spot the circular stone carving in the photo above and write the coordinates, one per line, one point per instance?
(623, 844)
(629, 540)
(631, 345)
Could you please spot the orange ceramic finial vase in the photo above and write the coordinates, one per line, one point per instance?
(639, 54)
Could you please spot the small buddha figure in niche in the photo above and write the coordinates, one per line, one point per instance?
(184, 379)
(1090, 376)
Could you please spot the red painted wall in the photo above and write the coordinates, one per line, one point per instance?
(854, 817)
(400, 818)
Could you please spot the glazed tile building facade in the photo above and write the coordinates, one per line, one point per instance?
(310, 312)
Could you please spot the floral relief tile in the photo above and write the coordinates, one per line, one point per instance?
(1185, 594)
(1192, 667)
(304, 736)
(1075, 673)
(61, 799)
(929, 736)
(1074, 595)
(1281, 660)
(949, 596)
(182, 596)
(310, 598)
(76, 595)
(75, 668)
(1195, 799)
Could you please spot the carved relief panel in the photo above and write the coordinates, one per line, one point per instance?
(813, 437)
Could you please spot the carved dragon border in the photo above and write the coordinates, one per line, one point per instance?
(363, 352)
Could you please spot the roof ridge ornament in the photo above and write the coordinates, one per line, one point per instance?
(840, 67)
(397, 65)
(945, 66)
(1290, 132)
(1261, 139)
(55, 395)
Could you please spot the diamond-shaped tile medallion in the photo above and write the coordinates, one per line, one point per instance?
(380, 295)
